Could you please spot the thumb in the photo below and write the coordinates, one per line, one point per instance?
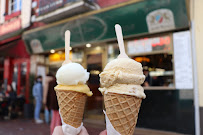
(83, 131)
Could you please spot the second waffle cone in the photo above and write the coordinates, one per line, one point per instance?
(122, 111)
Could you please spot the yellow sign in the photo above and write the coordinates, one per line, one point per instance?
(59, 56)
(142, 59)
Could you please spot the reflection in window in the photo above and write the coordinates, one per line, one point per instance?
(23, 77)
(15, 77)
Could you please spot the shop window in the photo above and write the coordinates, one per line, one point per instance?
(157, 63)
(155, 55)
(15, 77)
(158, 69)
(1, 71)
(14, 6)
(113, 51)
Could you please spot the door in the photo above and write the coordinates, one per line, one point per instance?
(94, 106)
(20, 79)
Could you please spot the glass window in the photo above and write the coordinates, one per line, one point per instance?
(14, 6)
(158, 69)
(113, 51)
(23, 80)
(155, 55)
(15, 77)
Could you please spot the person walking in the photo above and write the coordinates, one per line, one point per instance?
(53, 105)
(47, 113)
(37, 91)
(12, 96)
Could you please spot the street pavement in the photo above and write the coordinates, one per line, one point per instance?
(23, 127)
(28, 127)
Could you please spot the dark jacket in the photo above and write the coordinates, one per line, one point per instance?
(51, 96)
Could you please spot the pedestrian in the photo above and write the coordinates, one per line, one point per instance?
(148, 79)
(37, 91)
(47, 113)
(9, 102)
(11, 95)
(53, 105)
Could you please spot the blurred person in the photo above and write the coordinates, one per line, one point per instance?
(52, 104)
(148, 79)
(37, 91)
(58, 131)
(9, 102)
(12, 96)
(47, 113)
(157, 81)
(20, 101)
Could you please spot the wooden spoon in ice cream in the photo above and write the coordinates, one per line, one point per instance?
(120, 41)
(67, 47)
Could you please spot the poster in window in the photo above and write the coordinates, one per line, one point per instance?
(183, 60)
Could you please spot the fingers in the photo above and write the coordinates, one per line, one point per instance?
(83, 131)
(58, 131)
(103, 132)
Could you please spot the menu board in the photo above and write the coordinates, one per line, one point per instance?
(162, 43)
(183, 60)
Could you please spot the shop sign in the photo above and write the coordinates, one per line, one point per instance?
(57, 57)
(142, 59)
(99, 26)
(46, 6)
(10, 26)
(60, 56)
(149, 45)
(160, 20)
(36, 46)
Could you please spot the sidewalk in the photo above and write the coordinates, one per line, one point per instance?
(28, 127)
(23, 127)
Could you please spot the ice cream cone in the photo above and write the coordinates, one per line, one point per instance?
(71, 106)
(122, 111)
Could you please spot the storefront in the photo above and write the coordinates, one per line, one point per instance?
(15, 60)
(16, 66)
(154, 34)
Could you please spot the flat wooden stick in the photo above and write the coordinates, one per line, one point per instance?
(119, 35)
(67, 47)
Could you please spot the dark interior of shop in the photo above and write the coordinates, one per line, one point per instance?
(158, 69)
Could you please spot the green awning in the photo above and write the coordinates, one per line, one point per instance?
(149, 16)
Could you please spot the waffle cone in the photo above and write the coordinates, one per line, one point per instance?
(71, 106)
(122, 111)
